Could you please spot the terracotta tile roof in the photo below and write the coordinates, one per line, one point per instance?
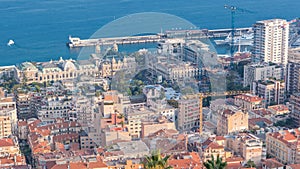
(254, 121)
(184, 162)
(5, 161)
(272, 163)
(64, 137)
(294, 166)
(98, 164)
(22, 123)
(228, 112)
(108, 98)
(234, 160)
(78, 165)
(60, 166)
(6, 142)
(279, 107)
(220, 138)
(234, 166)
(249, 98)
(262, 112)
(214, 145)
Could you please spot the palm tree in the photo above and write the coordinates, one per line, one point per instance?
(218, 164)
(156, 161)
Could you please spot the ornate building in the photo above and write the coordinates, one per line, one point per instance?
(56, 70)
(110, 67)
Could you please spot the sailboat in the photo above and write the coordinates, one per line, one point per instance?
(10, 43)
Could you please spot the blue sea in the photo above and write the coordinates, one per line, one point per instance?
(40, 28)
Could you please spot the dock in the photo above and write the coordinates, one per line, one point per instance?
(187, 34)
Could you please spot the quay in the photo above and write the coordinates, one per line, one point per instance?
(187, 34)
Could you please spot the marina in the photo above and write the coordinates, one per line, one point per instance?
(186, 34)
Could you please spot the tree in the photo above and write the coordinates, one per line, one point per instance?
(250, 164)
(215, 164)
(156, 161)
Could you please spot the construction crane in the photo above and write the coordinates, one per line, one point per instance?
(201, 96)
(233, 10)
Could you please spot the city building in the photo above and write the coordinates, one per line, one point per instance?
(22, 130)
(8, 72)
(231, 120)
(109, 67)
(261, 71)
(170, 46)
(129, 150)
(172, 69)
(114, 133)
(271, 38)
(272, 91)
(151, 126)
(55, 107)
(246, 145)
(56, 70)
(294, 55)
(10, 155)
(284, 146)
(188, 114)
(248, 102)
(85, 141)
(279, 109)
(295, 107)
(136, 116)
(293, 68)
(272, 163)
(168, 141)
(5, 126)
(211, 147)
(23, 105)
(8, 115)
(196, 51)
(186, 160)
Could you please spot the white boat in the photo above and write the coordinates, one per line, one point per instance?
(244, 40)
(10, 42)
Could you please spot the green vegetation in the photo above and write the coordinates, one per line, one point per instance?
(156, 161)
(233, 82)
(173, 103)
(215, 163)
(250, 164)
(136, 87)
(8, 83)
(289, 123)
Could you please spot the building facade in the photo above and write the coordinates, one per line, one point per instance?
(271, 41)
(272, 91)
(231, 121)
(56, 70)
(284, 145)
(295, 107)
(248, 102)
(293, 71)
(246, 145)
(261, 71)
(188, 114)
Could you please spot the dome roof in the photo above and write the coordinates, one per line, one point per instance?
(68, 65)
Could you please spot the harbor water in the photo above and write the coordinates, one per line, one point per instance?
(40, 29)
